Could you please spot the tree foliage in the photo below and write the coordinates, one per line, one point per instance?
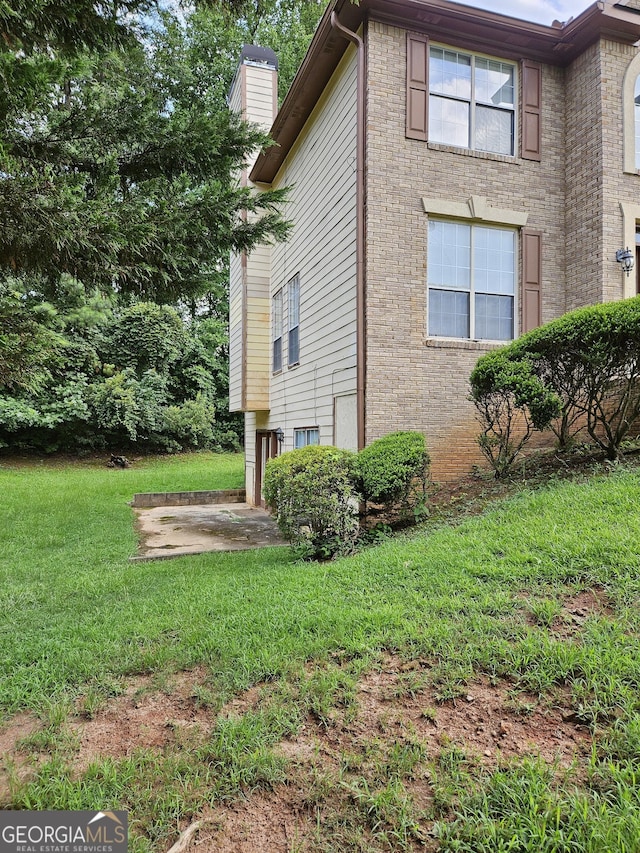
(117, 156)
(286, 26)
(27, 339)
(120, 175)
(123, 378)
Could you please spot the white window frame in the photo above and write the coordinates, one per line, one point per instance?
(293, 319)
(277, 328)
(474, 102)
(631, 139)
(473, 226)
(309, 435)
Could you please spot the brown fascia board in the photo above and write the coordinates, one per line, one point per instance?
(325, 52)
(442, 20)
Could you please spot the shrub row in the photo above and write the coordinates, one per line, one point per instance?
(579, 372)
(316, 491)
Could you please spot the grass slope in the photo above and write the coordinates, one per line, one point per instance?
(473, 598)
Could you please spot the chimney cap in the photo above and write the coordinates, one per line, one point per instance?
(259, 55)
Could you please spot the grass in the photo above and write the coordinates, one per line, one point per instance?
(476, 597)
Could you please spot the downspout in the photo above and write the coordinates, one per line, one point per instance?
(361, 350)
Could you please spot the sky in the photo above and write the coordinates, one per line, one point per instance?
(540, 11)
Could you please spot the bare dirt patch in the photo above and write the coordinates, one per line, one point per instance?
(335, 761)
(263, 822)
(327, 759)
(578, 608)
(144, 717)
(487, 721)
(12, 759)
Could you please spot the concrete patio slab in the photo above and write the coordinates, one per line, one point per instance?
(171, 531)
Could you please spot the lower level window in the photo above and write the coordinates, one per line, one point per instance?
(302, 437)
(471, 275)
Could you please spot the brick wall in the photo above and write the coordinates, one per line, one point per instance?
(413, 383)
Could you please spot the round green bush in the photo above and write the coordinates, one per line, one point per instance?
(311, 491)
(391, 466)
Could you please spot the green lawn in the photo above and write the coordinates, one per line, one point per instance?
(468, 599)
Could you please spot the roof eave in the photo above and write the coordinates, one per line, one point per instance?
(474, 28)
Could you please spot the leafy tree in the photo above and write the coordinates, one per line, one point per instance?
(27, 337)
(135, 377)
(121, 177)
(286, 26)
(116, 151)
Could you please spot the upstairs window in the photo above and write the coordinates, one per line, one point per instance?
(293, 356)
(276, 320)
(471, 274)
(471, 101)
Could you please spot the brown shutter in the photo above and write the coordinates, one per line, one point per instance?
(417, 86)
(531, 279)
(531, 110)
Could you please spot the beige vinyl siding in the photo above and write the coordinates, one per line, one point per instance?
(322, 251)
(249, 301)
(235, 334)
(261, 94)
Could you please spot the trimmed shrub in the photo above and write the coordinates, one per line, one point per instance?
(511, 402)
(588, 360)
(591, 358)
(311, 491)
(393, 470)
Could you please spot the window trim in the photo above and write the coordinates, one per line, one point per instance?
(277, 319)
(475, 209)
(517, 283)
(630, 219)
(293, 286)
(306, 430)
(628, 116)
(514, 110)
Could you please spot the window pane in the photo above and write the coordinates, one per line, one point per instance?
(276, 320)
(450, 73)
(294, 346)
(448, 313)
(494, 82)
(494, 130)
(494, 260)
(449, 256)
(494, 317)
(449, 121)
(303, 437)
(293, 351)
(277, 355)
(277, 314)
(294, 302)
